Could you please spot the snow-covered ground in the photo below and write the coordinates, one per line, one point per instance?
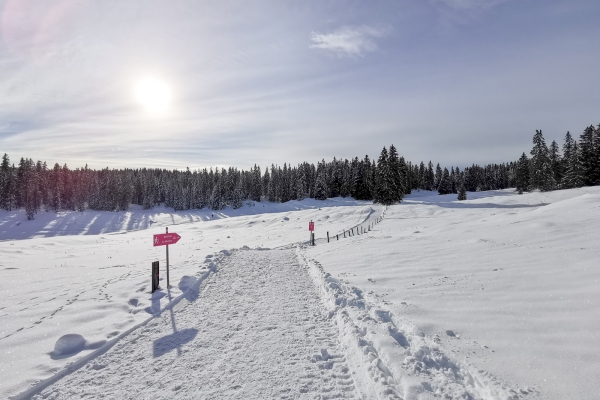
(492, 298)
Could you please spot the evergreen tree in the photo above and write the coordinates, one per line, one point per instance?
(429, 177)
(238, 196)
(445, 186)
(596, 156)
(406, 174)
(256, 187)
(56, 188)
(422, 176)
(462, 193)
(556, 162)
(385, 183)
(567, 148)
(266, 181)
(574, 175)
(588, 155)
(5, 183)
(438, 177)
(398, 177)
(272, 192)
(541, 175)
(522, 174)
(301, 192)
(453, 180)
(362, 186)
(321, 184)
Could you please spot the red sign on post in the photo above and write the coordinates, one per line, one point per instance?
(165, 239)
(311, 226)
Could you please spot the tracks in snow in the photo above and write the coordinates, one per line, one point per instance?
(257, 330)
(393, 360)
(273, 324)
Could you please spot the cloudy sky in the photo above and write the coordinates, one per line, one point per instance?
(233, 83)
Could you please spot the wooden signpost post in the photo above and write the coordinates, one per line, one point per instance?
(165, 239)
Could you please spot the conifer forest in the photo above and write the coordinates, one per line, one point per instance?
(34, 186)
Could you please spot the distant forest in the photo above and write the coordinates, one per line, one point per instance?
(33, 186)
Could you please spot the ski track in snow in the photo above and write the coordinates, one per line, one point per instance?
(398, 361)
(257, 329)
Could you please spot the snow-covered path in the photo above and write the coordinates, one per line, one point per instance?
(256, 328)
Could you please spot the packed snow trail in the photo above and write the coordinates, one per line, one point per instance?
(255, 329)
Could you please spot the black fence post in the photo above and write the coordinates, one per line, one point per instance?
(155, 276)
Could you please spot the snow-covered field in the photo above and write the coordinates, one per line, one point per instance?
(496, 297)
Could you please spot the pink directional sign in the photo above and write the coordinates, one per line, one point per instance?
(311, 226)
(165, 239)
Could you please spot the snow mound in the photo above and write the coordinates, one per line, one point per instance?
(71, 344)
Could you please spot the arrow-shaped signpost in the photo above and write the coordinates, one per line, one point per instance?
(165, 239)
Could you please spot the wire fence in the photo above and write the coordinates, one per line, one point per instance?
(374, 217)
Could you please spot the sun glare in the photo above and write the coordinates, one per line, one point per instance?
(153, 94)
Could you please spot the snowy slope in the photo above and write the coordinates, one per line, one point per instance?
(493, 298)
(508, 283)
(97, 285)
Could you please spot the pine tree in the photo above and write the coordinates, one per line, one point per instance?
(385, 183)
(238, 196)
(445, 186)
(266, 181)
(256, 187)
(438, 177)
(398, 177)
(596, 173)
(462, 193)
(589, 160)
(556, 162)
(5, 183)
(406, 174)
(362, 185)
(574, 175)
(541, 175)
(301, 192)
(522, 174)
(430, 177)
(321, 184)
(422, 176)
(567, 148)
(453, 180)
(272, 191)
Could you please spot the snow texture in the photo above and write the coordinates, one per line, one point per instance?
(494, 297)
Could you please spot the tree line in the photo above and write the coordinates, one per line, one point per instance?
(548, 169)
(34, 186)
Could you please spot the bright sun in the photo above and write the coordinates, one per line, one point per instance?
(153, 94)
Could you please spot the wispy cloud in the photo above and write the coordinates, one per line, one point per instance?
(349, 41)
(470, 5)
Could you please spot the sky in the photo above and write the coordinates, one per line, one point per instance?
(176, 84)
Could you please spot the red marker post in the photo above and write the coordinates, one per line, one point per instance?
(311, 228)
(165, 239)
